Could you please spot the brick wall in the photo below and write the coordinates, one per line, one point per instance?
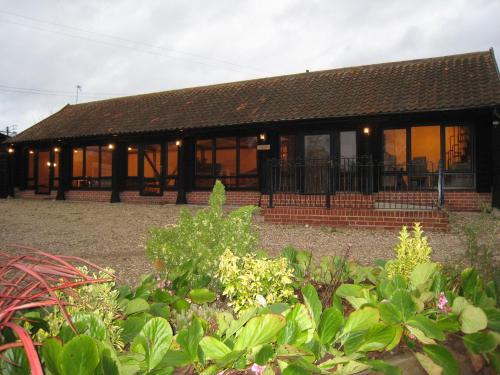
(466, 200)
(135, 197)
(88, 195)
(233, 198)
(359, 218)
(30, 194)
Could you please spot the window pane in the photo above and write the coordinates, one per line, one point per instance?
(203, 182)
(317, 147)
(288, 147)
(458, 148)
(204, 157)
(348, 144)
(31, 164)
(458, 180)
(152, 161)
(106, 162)
(395, 149)
(132, 161)
(172, 151)
(426, 147)
(56, 165)
(77, 162)
(248, 155)
(92, 161)
(43, 171)
(225, 156)
(248, 182)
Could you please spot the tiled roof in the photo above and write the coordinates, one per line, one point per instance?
(451, 82)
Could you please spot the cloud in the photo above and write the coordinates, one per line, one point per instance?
(114, 48)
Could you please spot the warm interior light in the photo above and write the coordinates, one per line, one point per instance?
(129, 148)
(111, 146)
(366, 130)
(56, 149)
(178, 143)
(31, 152)
(55, 165)
(262, 136)
(48, 164)
(75, 151)
(10, 150)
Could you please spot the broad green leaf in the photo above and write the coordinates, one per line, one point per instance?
(378, 337)
(449, 323)
(131, 327)
(265, 354)
(495, 361)
(361, 320)
(427, 326)
(137, 305)
(190, 339)
(202, 295)
(349, 290)
(160, 309)
(351, 367)
(422, 275)
(181, 305)
(383, 367)
(389, 313)
(330, 323)
(480, 342)
(443, 358)
(289, 333)
(213, 348)
(312, 303)
(428, 364)
(51, 352)
(259, 330)
(420, 335)
(153, 341)
(80, 356)
(175, 358)
(109, 363)
(404, 303)
(493, 318)
(245, 316)
(397, 337)
(89, 324)
(472, 319)
(459, 304)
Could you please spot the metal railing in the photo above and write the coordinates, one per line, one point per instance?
(355, 183)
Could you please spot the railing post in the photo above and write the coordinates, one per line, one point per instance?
(441, 184)
(328, 181)
(270, 183)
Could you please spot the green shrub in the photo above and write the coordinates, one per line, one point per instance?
(201, 238)
(411, 250)
(251, 281)
(99, 299)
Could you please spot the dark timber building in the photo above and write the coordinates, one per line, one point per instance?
(360, 142)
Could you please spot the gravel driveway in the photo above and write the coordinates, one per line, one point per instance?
(113, 234)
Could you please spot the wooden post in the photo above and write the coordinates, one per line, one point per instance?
(115, 179)
(61, 158)
(181, 178)
(495, 163)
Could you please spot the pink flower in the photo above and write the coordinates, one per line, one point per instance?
(442, 301)
(257, 369)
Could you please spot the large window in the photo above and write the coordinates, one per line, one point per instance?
(92, 167)
(233, 160)
(145, 163)
(426, 152)
(288, 147)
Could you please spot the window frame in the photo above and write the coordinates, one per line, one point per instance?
(212, 177)
(442, 142)
(85, 178)
(136, 183)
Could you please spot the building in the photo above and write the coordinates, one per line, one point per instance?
(408, 136)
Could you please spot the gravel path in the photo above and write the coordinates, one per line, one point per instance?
(113, 234)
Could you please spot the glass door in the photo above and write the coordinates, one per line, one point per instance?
(151, 167)
(317, 155)
(43, 172)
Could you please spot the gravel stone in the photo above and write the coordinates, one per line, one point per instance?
(114, 234)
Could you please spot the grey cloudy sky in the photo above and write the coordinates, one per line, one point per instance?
(115, 48)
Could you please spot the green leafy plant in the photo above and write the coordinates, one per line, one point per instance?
(195, 243)
(411, 250)
(252, 281)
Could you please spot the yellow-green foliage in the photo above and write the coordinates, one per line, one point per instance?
(411, 250)
(100, 299)
(252, 281)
